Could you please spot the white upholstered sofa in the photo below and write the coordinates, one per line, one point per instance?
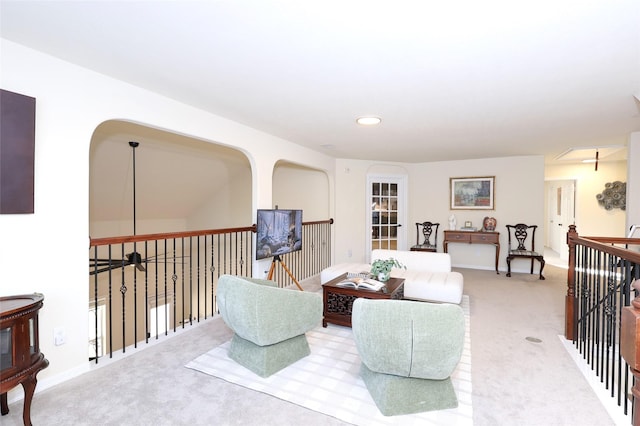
(428, 275)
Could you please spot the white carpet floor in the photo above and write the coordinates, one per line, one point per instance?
(596, 382)
(328, 380)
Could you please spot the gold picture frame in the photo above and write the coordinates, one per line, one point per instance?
(472, 193)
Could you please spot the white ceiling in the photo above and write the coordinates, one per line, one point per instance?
(451, 80)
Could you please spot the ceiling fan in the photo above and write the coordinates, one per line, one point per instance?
(98, 265)
(103, 265)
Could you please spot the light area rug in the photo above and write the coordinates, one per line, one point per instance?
(328, 380)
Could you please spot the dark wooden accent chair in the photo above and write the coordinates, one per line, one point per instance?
(520, 234)
(426, 230)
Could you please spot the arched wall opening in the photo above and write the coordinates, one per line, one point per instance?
(182, 183)
(300, 187)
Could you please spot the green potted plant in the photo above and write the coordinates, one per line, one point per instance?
(381, 268)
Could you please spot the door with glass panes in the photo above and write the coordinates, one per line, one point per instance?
(386, 212)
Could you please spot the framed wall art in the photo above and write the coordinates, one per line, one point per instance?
(472, 193)
(17, 145)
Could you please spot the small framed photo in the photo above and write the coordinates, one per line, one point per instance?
(468, 224)
(472, 193)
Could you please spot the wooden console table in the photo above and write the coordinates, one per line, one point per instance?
(471, 237)
(20, 357)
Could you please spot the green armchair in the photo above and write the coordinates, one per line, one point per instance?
(408, 350)
(269, 323)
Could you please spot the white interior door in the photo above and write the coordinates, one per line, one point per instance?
(561, 202)
(386, 207)
(567, 216)
(556, 217)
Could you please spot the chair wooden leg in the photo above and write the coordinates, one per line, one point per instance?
(4, 406)
(508, 266)
(542, 262)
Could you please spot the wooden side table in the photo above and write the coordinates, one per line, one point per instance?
(20, 357)
(473, 237)
(338, 300)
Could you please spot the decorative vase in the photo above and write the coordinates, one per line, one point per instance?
(384, 276)
(452, 222)
(489, 223)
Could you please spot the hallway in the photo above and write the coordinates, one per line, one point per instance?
(552, 257)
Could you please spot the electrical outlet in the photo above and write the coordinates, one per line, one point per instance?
(349, 253)
(59, 336)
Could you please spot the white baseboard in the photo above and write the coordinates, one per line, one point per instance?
(479, 267)
(17, 394)
(604, 395)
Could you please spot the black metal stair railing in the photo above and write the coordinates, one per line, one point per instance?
(601, 271)
(144, 287)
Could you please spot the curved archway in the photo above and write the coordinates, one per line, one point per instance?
(182, 183)
(300, 187)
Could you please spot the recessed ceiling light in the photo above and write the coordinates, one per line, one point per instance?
(368, 121)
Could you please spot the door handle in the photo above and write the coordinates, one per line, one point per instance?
(559, 224)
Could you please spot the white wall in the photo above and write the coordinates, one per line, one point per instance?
(633, 182)
(350, 226)
(519, 195)
(228, 207)
(519, 192)
(115, 228)
(296, 187)
(591, 218)
(47, 251)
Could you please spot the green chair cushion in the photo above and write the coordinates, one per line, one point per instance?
(259, 311)
(407, 338)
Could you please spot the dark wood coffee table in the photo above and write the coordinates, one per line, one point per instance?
(338, 300)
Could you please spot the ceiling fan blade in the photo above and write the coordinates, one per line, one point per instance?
(108, 268)
(98, 265)
(115, 263)
(165, 258)
(134, 258)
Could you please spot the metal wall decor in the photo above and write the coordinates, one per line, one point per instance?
(614, 196)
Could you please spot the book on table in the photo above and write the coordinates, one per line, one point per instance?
(359, 282)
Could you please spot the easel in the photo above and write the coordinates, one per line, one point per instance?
(276, 258)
